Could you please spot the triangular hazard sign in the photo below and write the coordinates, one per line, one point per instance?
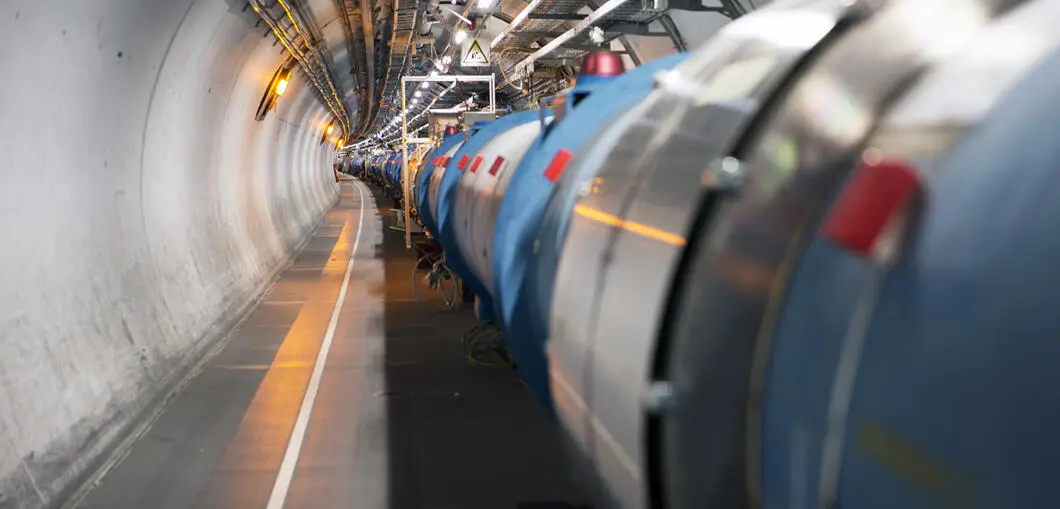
(475, 55)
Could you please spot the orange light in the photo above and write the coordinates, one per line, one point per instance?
(631, 226)
(281, 86)
(330, 128)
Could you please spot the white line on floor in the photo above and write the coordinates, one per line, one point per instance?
(294, 445)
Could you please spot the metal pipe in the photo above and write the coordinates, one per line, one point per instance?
(291, 48)
(350, 13)
(519, 18)
(311, 44)
(281, 36)
(405, 166)
(369, 51)
(631, 50)
(465, 79)
(675, 34)
(393, 40)
(593, 17)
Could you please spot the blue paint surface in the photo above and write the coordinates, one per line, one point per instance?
(424, 179)
(447, 193)
(523, 278)
(956, 398)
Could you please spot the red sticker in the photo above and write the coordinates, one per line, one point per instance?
(496, 165)
(875, 194)
(475, 164)
(463, 162)
(558, 164)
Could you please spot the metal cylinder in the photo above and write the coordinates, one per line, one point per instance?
(623, 249)
(436, 180)
(480, 193)
(697, 311)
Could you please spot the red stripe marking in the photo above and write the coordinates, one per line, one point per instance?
(475, 164)
(874, 195)
(463, 162)
(496, 165)
(558, 164)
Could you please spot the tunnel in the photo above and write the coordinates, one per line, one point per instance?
(543, 254)
(153, 212)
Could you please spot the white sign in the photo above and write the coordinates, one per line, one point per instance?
(475, 53)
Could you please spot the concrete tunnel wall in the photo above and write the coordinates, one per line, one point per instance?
(142, 210)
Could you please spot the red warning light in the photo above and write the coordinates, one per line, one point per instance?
(602, 63)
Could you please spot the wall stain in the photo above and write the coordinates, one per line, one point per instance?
(128, 333)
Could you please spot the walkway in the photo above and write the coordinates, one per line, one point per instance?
(392, 418)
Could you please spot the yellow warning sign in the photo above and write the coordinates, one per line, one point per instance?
(473, 54)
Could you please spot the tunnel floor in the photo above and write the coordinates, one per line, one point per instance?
(399, 419)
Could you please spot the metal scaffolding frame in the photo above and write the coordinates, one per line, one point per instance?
(573, 31)
(406, 172)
